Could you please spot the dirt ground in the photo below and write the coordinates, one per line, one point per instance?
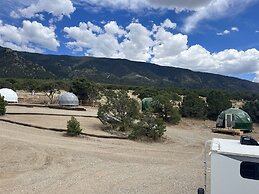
(39, 161)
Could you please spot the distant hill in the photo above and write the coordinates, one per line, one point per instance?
(114, 71)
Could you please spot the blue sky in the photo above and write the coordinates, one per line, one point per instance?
(216, 36)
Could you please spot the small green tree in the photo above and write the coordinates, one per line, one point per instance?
(217, 102)
(119, 112)
(252, 108)
(73, 127)
(2, 106)
(149, 126)
(163, 106)
(145, 92)
(193, 106)
(85, 90)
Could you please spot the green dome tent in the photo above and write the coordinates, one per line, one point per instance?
(235, 118)
(146, 103)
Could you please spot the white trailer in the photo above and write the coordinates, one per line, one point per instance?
(234, 167)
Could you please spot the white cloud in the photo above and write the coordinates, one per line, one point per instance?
(113, 29)
(196, 58)
(167, 45)
(91, 38)
(135, 5)
(32, 37)
(179, 5)
(203, 9)
(256, 79)
(225, 32)
(214, 10)
(235, 29)
(133, 42)
(9, 5)
(58, 8)
(227, 62)
(137, 38)
(20, 47)
(159, 45)
(168, 24)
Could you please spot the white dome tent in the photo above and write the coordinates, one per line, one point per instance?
(68, 99)
(9, 95)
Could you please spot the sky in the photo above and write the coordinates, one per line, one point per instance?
(215, 36)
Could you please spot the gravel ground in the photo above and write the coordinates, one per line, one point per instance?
(88, 125)
(19, 109)
(38, 161)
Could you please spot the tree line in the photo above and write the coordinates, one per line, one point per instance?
(47, 84)
(197, 103)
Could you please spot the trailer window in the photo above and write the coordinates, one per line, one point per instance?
(249, 170)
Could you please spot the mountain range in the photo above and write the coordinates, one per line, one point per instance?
(17, 64)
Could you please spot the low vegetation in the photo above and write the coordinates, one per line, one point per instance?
(148, 127)
(165, 109)
(119, 112)
(194, 107)
(85, 90)
(2, 106)
(73, 127)
(217, 102)
(122, 113)
(252, 108)
(166, 100)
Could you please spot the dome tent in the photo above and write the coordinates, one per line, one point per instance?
(68, 99)
(9, 95)
(235, 118)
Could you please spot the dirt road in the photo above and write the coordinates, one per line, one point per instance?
(38, 161)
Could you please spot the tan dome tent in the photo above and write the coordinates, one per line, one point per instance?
(68, 99)
(235, 118)
(9, 95)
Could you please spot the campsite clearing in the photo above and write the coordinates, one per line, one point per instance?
(41, 161)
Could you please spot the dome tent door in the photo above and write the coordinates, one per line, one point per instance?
(229, 121)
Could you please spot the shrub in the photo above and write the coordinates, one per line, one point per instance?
(119, 112)
(149, 126)
(163, 106)
(174, 115)
(73, 127)
(145, 92)
(2, 106)
(217, 102)
(193, 106)
(85, 90)
(252, 108)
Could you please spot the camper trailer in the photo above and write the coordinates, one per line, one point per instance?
(234, 167)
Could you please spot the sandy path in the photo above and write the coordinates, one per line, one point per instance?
(19, 109)
(88, 125)
(38, 161)
(35, 161)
